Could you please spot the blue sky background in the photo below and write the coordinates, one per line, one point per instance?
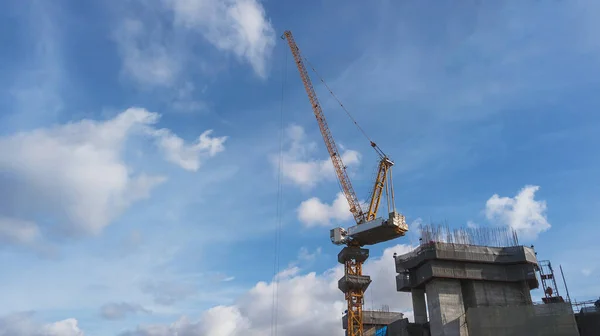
(471, 100)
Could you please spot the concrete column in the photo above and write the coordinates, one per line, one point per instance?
(419, 307)
(446, 308)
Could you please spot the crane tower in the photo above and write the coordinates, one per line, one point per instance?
(369, 228)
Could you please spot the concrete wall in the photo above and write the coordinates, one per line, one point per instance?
(373, 320)
(404, 328)
(370, 330)
(538, 320)
(588, 323)
(446, 308)
(489, 293)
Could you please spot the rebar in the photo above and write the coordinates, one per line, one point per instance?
(482, 236)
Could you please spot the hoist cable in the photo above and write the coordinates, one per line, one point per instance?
(373, 144)
(275, 298)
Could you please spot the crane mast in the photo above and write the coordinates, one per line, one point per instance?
(369, 229)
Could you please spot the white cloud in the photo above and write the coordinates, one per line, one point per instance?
(18, 231)
(22, 324)
(74, 175)
(223, 320)
(217, 321)
(237, 26)
(472, 225)
(306, 256)
(188, 156)
(169, 292)
(299, 168)
(289, 272)
(313, 212)
(66, 327)
(522, 213)
(184, 99)
(116, 311)
(309, 304)
(415, 226)
(155, 51)
(586, 271)
(146, 56)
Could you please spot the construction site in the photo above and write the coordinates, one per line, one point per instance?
(474, 281)
(479, 282)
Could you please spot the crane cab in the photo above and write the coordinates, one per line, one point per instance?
(338, 235)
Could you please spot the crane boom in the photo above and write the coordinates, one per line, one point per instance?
(336, 158)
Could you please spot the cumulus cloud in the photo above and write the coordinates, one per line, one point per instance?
(66, 327)
(117, 311)
(23, 324)
(75, 176)
(309, 304)
(240, 27)
(155, 51)
(299, 168)
(187, 156)
(313, 212)
(522, 213)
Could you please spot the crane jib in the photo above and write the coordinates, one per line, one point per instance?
(326, 133)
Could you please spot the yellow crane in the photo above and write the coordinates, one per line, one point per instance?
(369, 229)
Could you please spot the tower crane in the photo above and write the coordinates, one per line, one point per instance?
(369, 228)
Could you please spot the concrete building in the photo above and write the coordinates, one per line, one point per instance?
(376, 323)
(465, 289)
(458, 276)
(588, 318)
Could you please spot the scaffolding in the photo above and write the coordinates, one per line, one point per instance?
(587, 306)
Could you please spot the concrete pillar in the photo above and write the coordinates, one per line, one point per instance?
(419, 307)
(446, 308)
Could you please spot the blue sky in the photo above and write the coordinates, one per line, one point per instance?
(139, 143)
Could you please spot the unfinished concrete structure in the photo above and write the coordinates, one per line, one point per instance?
(451, 276)
(473, 282)
(587, 317)
(376, 323)
(456, 277)
(553, 319)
